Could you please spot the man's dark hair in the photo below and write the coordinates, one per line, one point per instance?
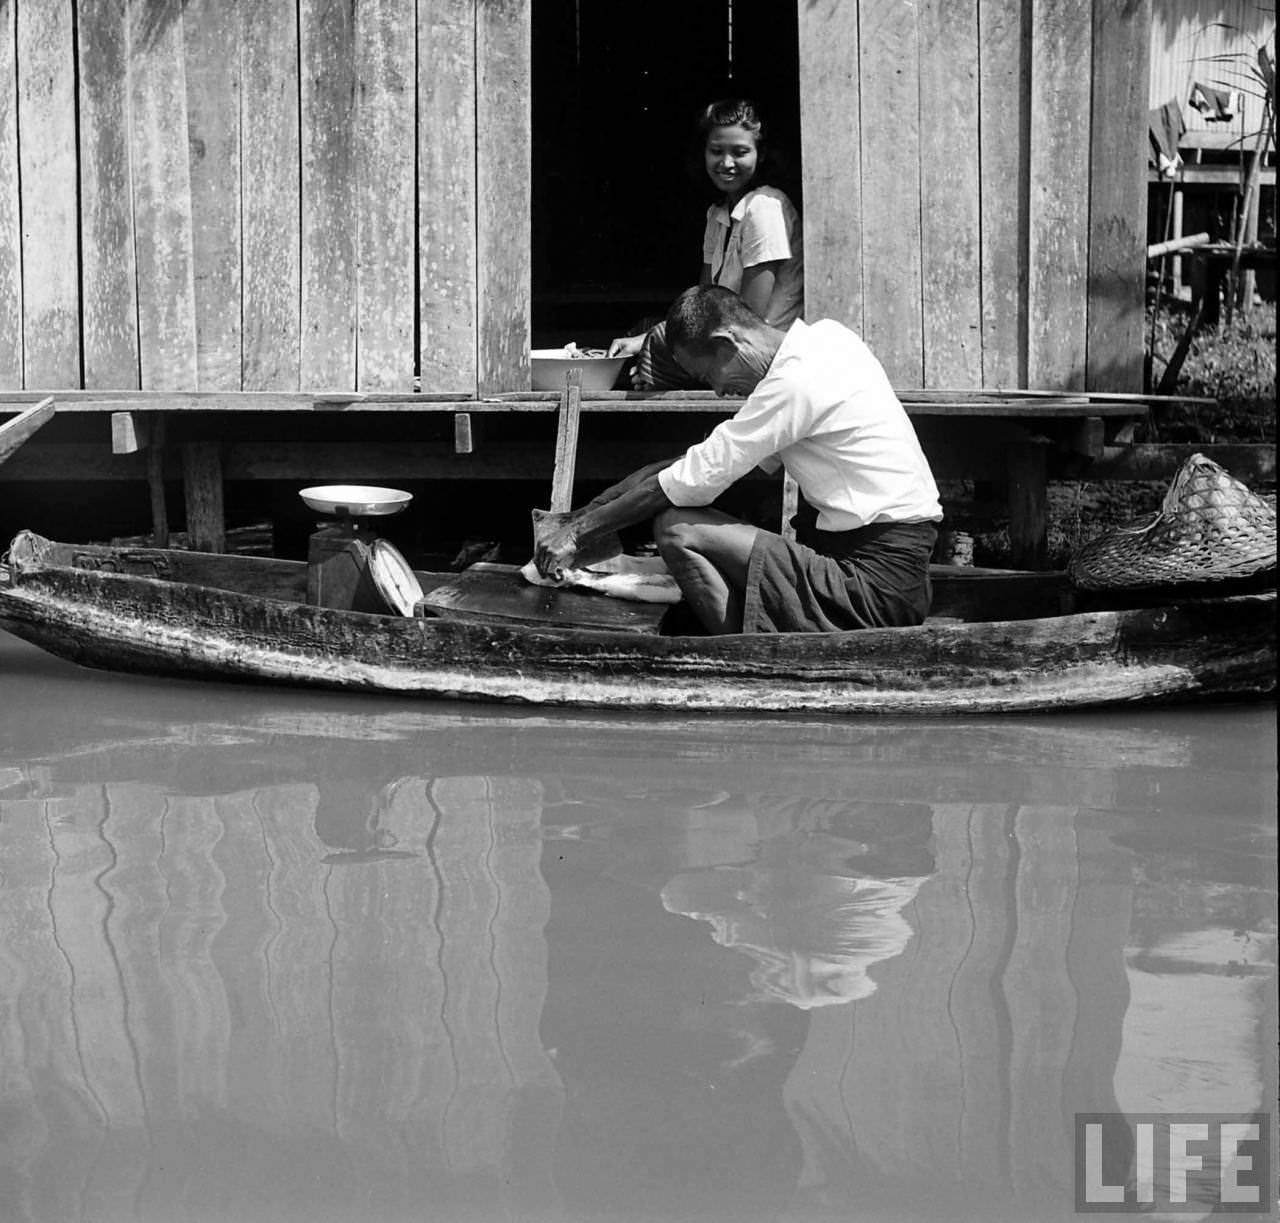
(699, 312)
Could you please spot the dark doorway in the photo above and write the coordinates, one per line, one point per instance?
(618, 202)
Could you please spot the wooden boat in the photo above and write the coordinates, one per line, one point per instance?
(1000, 641)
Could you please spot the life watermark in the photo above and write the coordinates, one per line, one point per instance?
(1204, 1162)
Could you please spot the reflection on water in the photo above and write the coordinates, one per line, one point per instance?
(811, 889)
(271, 956)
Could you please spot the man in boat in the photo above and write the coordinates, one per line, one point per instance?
(819, 404)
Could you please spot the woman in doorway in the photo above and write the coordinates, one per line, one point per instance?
(752, 242)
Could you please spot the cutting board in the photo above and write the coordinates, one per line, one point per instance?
(497, 594)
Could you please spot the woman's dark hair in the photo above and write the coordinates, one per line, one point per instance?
(726, 112)
(730, 112)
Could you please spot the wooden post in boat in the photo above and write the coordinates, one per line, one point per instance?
(567, 442)
(16, 431)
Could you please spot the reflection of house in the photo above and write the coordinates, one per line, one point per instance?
(191, 985)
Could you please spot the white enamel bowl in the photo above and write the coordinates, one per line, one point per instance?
(550, 367)
(355, 500)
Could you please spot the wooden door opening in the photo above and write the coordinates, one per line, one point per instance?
(619, 195)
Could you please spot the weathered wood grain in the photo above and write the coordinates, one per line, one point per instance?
(503, 166)
(1058, 208)
(211, 30)
(950, 214)
(161, 195)
(1184, 651)
(385, 193)
(1118, 196)
(328, 336)
(567, 422)
(1003, 135)
(202, 487)
(271, 272)
(47, 166)
(831, 120)
(109, 292)
(447, 272)
(10, 226)
(889, 82)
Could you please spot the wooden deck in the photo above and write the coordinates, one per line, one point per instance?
(1017, 439)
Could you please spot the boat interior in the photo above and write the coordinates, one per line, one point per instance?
(497, 593)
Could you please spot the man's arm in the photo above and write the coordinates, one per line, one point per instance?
(627, 483)
(632, 500)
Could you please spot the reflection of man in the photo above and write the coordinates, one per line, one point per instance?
(821, 903)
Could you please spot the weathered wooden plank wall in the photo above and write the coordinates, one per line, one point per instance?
(447, 224)
(161, 195)
(109, 279)
(10, 225)
(889, 81)
(327, 48)
(276, 195)
(333, 194)
(978, 212)
(47, 169)
(1116, 296)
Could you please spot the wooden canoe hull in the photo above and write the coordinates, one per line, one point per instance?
(1199, 649)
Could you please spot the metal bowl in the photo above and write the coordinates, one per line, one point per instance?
(355, 500)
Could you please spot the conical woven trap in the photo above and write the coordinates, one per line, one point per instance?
(1210, 528)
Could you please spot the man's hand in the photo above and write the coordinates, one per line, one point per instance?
(555, 543)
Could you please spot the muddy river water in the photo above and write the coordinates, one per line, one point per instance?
(277, 956)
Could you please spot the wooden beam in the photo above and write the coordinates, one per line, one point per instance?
(1003, 98)
(160, 177)
(10, 209)
(386, 191)
(1088, 437)
(950, 220)
(566, 444)
(503, 175)
(202, 488)
(832, 161)
(155, 484)
(447, 221)
(46, 90)
(212, 32)
(1028, 504)
(1117, 205)
(463, 436)
(326, 29)
(128, 433)
(272, 208)
(1177, 244)
(1057, 264)
(109, 279)
(13, 433)
(892, 276)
